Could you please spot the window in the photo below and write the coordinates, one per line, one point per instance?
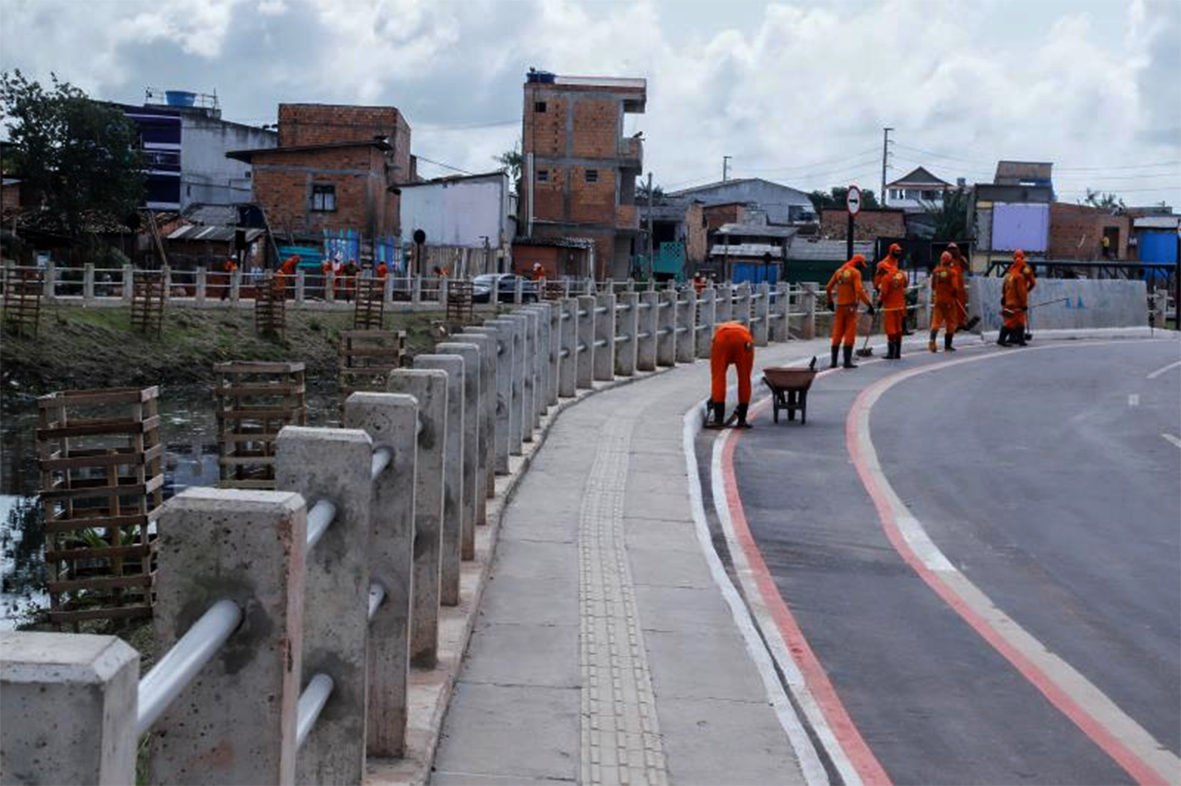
(895, 193)
(592, 175)
(931, 195)
(324, 198)
(538, 106)
(543, 176)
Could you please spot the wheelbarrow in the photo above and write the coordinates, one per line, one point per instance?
(789, 390)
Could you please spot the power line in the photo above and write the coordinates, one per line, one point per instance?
(819, 163)
(421, 157)
(1057, 168)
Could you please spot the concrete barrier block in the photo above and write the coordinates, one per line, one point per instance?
(1063, 304)
(646, 348)
(687, 326)
(515, 334)
(472, 488)
(666, 327)
(453, 488)
(391, 421)
(501, 401)
(568, 362)
(547, 371)
(429, 389)
(627, 321)
(525, 371)
(777, 310)
(67, 708)
(535, 370)
(724, 305)
(555, 347)
(706, 317)
(760, 323)
(585, 369)
(333, 465)
(808, 306)
(486, 452)
(236, 722)
(604, 363)
(741, 313)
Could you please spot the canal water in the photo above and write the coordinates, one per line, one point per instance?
(189, 432)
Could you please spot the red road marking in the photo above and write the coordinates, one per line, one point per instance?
(849, 738)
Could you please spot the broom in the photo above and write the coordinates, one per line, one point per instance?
(866, 350)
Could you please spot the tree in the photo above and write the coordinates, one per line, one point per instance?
(950, 217)
(511, 161)
(642, 193)
(1105, 201)
(836, 198)
(74, 153)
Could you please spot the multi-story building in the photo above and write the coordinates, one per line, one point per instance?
(580, 170)
(917, 191)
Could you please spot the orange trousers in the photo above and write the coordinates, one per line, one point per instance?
(892, 322)
(946, 316)
(844, 325)
(733, 346)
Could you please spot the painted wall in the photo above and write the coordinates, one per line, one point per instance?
(458, 212)
(1158, 245)
(207, 176)
(1024, 226)
(1087, 304)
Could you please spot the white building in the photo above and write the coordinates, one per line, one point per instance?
(917, 191)
(459, 212)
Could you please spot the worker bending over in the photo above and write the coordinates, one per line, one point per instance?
(733, 345)
(945, 298)
(847, 282)
(1014, 303)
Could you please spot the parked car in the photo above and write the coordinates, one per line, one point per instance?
(505, 285)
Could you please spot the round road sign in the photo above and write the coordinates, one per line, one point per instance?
(853, 200)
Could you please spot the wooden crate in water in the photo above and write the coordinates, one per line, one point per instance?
(367, 357)
(22, 300)
(102, 481)
(255, 400)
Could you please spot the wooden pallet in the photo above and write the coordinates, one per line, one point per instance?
(270, 307)
(22, 300)
(255, 400)
(459, 302)
(554, 290)
(367, 357)
(102, 483)
(149, 294)
(369, 310)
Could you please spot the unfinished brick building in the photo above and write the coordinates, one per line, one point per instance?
(333, 170)
(580, 171)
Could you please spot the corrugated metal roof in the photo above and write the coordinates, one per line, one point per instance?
(746, 250)
(757, 230)
(223, 215)
(211, 234)
(827, 250)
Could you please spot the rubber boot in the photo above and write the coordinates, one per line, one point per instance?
(947, 339)
(835, 350)
(1002, 339)
(896, 349)
(849, 357)
(1019, 336)
(715, 414)
(740, 412)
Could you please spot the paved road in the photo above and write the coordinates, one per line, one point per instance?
(1044, 478)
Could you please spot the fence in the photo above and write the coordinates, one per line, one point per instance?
(289, 620)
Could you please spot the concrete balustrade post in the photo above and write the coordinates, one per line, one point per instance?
(501, 399)
(441, 292)
(525, 372)
(604, 366)
(585, 369)
(546, 370)
(51, 280)
(391, 421)
(88, 282)
(515, 364)
(706, 317)
(486, 430)
(128, 283)
(723, 304)
(568, 362)
(202, 286)
(166, 276)
(808, 306)
(301, 286)
(236, 721)
(760, 323)
(742, 304)
(777, 329)
(627, 327)
(453, 488)
(235, 285)
(666, 328)
(686, 325)
(334, 465)
(416, 290)
(473, 488)
(429, 389)
(67, 708)
(648, 317)
(555, 351)
(534, 371)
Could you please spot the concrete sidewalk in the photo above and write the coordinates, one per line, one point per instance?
(605, 650)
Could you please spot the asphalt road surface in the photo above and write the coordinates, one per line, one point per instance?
(1050, 480)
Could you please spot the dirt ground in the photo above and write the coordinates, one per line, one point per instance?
(79, 347)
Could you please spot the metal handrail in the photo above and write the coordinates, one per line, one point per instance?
(319, 519)
(376, 597)
(173, 672)
(311, 702)
(382, 458)
(621, 339)
(602, 342)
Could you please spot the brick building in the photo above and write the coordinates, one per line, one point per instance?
(580, 171)
(1077, 232)
(870, 224)
(334, 170)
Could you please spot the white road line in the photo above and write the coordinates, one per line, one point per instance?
(1175, 440)
(810, 764)
(1163, 370)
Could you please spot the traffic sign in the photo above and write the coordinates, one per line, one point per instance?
(853, 200)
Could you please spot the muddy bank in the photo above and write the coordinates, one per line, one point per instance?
(79, 347)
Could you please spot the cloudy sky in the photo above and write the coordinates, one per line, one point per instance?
(796, 92)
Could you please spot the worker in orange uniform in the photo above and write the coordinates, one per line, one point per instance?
(849, 290)
(229, 267)
(383, 270)
(945, 301)
(960, 263)
(538, 272)
(733, 345)
(886, 266)
(698, 283)
(892, 300)
(1014, 303)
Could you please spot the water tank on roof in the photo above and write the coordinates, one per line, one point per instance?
(180, 98)
(541, 77)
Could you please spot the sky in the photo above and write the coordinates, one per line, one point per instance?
(796, 92)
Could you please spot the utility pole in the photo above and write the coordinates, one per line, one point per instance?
(885, 158)
(651, 262)
(726, 168)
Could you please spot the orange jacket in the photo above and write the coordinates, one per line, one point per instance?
(383, 270)
(886, 266)
(289, 265)
(945, 282)
(1015, 291)
(230, 266)
(847, 282)
(893, 290)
